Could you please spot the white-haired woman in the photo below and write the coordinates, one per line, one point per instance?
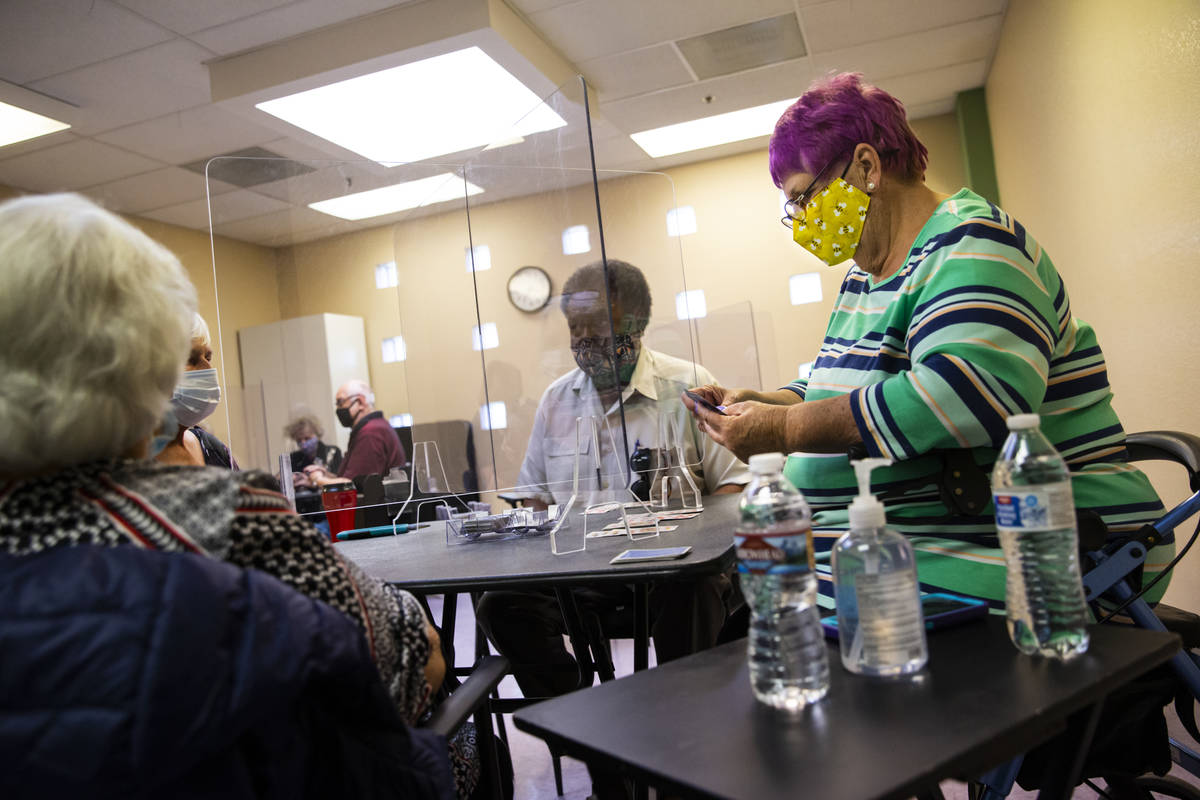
(95, 323)
(194, 400)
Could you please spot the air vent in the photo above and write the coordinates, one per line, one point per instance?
(755, 44)
(249, 167)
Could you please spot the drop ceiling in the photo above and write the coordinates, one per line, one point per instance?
(151, 88)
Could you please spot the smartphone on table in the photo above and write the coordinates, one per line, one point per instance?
(652, 554)
(940, 609)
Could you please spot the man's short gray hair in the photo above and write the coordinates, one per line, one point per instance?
(95, 320)
(626, 285)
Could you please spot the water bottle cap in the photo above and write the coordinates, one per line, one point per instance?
(1023, 422)
(766, 463)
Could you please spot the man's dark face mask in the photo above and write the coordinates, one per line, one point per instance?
(594, 356)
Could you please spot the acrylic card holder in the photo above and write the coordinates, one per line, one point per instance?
(596, 497)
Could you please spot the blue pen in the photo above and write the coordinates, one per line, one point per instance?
(378, 530)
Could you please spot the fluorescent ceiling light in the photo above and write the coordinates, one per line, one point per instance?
(445, 104)
(696, 134)
(399, 197)
(17, 125)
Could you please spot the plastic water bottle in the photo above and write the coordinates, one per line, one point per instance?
(1035, 516)
(788, 664)
(880, 626)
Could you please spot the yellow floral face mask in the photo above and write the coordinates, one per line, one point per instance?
(832, 222)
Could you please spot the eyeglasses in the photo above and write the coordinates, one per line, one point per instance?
(338, 403)
(794, 208)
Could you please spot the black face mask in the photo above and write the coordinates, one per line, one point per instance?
(593, 355)
(343, 415)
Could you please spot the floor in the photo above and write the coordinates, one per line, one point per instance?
(534, 775)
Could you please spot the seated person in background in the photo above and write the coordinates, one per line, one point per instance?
(88, 376)
(950, 319)
(194, 400)
(306, 432)
(374, 447)
(527, 626)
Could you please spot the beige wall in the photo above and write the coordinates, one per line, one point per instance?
(740, 253)
(1093, 113)
(249, 295)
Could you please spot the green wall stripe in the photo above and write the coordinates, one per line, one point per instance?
(975, 135)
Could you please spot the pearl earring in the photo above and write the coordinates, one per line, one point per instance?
(870, 186)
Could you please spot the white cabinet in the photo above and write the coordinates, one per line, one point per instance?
(295, 367)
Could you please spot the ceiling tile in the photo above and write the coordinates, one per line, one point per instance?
(72, 166)
(915, 52)
(188, 135)
(300, 151)
(933, 109)
(339, 226)
(593, 28)
(845, 23)
(534, 6)
(189, 16)
(729, 93)
(292, 19)
(162, 187)
(932, 86)
(135, 87)
(43, 38)
(282, 225)
(331, 179)
(635, 72)
(227, 207)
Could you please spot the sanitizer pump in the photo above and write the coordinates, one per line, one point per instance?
(879, 617)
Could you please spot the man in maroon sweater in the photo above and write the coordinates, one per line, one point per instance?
(374, 447)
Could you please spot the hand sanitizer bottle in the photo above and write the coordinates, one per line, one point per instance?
(879, 617)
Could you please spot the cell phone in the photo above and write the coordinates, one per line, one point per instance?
(940, 609)
(700, 401)
(655, 554)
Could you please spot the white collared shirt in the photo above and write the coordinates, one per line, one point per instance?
(654, 417)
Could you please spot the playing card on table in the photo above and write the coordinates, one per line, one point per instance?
(677, 514)
(619, 530)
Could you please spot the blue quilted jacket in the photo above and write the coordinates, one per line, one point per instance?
(131, 673)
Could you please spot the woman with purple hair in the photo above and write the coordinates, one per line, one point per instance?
(950, 319)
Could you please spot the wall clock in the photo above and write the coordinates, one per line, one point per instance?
(529, 289)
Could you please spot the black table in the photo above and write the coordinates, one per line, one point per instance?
(692, 727)
(422, 562)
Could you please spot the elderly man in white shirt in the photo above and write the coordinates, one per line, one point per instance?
(654, 420)
(616, 377)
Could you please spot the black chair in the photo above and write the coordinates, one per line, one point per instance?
(472, 697)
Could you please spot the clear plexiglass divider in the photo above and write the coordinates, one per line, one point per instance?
(492, 325)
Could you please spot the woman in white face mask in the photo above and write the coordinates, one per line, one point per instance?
(194, 400)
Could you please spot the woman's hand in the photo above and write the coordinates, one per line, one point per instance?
(746, 427)
(319, 476)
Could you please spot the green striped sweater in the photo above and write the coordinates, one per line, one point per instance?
(975, 327)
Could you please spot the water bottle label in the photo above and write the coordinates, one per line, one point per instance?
(774, 553)
(1041, 508)
(889, 616)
